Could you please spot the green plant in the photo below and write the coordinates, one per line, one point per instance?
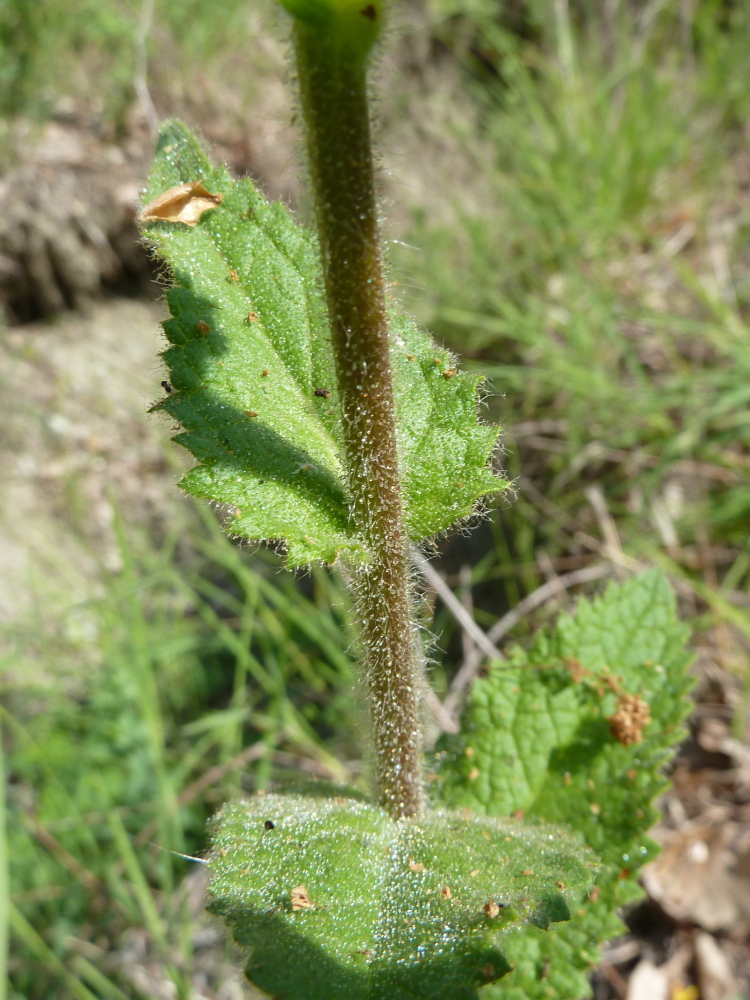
(328, 421)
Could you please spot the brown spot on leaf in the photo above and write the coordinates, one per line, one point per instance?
(300, 898)
(491, 909)
(445, 892)
(369, 12)
(416, 866)
(594, 894)
(185, 203)
(631, 717)
(469, 751)
(233, 276)
(489, 972)
(560, 885)
(203, 328)
(595, 808)
(576, 668)
(323, 393)
(250, 413)
(251, 318)
(265, 373)
(449, 373)
(473, 774)
(528, 871)
(474, 873)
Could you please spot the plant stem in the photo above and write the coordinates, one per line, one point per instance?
(333, 90)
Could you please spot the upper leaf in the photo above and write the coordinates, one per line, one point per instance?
(254, 382)
(538, 737)
(336, 900)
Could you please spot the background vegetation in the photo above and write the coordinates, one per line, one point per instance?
(595, 268)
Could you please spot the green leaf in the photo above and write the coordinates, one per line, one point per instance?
(414, 909)
(536, 738)
(254, 386)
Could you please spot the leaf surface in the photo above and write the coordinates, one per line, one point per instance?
(536, 738)
(254, 382)
(336, 900)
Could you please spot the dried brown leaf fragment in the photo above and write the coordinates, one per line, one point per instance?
(185, 203)
(300, 898)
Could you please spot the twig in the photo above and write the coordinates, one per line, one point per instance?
(607, 526)
(455, 607)
(320, 770)
(443, 718)
(467, 601)
(211, 777)
(530, 603)
(87, 879)
(140, 77)
(550, 573)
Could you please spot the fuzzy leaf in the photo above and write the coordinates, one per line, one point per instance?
(537, 734)
(336, 900)
(254, 383)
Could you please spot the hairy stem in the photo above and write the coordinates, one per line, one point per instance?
(333, 90)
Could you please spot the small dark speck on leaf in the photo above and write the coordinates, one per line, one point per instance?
(369, 12)
(166, 387)
(323, 393)
(250, 413)
(269, 824)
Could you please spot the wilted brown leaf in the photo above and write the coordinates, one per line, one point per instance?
(184, 203)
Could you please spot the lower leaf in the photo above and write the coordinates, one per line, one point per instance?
(335, 900)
